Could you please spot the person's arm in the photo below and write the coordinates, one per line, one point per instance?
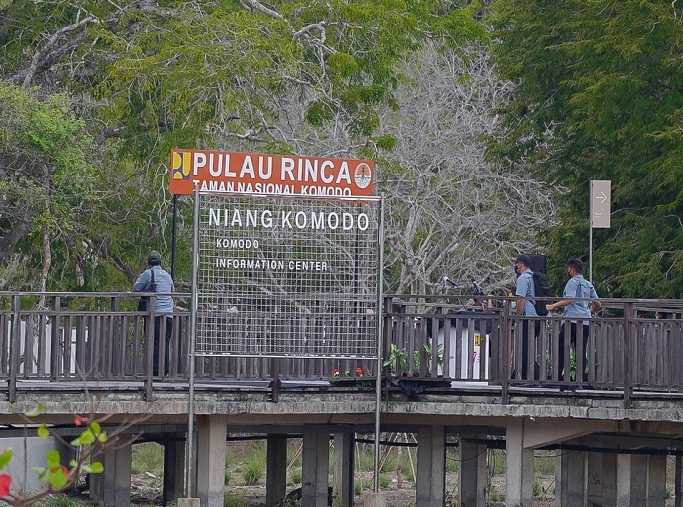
(142, 281)
(560, 304)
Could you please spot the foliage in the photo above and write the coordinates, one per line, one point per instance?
(56, 475)
(148, 457)
(141, 77)
(598, 96)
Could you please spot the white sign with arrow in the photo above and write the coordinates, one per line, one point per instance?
(601, 191)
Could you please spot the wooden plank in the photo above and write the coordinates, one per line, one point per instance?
(555, 348)
(470, 349)
(138, 330)
(531, 344)
(484, 336)
(566, 352)
(458, 349)
(544, 352)
(435, 348)
(446, 347)
(4, 344)
(519, 359)
(411, 343)
(124, 353)
(67, 346)
(580, 360)
(161, 360)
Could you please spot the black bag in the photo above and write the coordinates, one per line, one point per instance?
(150, 287)
(541, 290)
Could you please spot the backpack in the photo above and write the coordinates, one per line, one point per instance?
(150, 287)
(541, 290)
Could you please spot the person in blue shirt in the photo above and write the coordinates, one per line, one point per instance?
(579, 298)
(163, 304)
(525, 292)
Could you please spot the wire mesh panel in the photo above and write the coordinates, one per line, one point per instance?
(287, 276)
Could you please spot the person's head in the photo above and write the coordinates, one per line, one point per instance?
(574, 266)
(522, 263)
(154, 258)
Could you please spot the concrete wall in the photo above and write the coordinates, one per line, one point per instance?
(23, 477)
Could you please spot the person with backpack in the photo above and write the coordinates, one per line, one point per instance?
(525, 292)
(577, 307)
(156, 279)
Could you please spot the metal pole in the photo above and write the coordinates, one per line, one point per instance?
(174, 215)
(380, 338)
(189, 461)
(590, 232)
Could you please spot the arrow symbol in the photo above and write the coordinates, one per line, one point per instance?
(602, 197)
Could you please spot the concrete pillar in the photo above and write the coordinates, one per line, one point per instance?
(431, 466)
(316, 466)
(112, 487)
(519, 466)
(276, 469)
(473, 474)
(344, 444)
(631, 480)
(570, 478)
(678, 482)
(211, 448)
(174, 470)
(656, 480)
(601, 482)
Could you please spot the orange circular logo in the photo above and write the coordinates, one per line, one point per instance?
(362, 175)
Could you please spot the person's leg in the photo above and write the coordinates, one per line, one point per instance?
(169, 333)
(572, 348)
(560, 353)
(586, 335)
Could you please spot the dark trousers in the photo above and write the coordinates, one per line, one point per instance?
(564, 375)
(157, 331)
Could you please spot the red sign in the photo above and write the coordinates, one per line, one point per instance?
(262, 173)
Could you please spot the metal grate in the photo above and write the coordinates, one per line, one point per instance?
(287, 276)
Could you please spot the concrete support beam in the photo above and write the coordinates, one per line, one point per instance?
(678, 482)
(473, 474)
(112, 487)
(211, 448)
(570, 479)
(602, 479)
(631, 480)
(344, 444)
(656, 480)
(519, 467)
(276, 469)
(174, 470)
(431, 466)
(316, 466)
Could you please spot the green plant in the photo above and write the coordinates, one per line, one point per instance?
(58, 501)
(397, 359)
(426, 353)
(234, 501)
(253, 470)
(295, 476)
(227, 477)
(148, 457)
(384, 481)
(537, 489)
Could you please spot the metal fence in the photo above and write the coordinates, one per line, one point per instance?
(634, 345)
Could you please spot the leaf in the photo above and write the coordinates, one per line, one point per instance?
(53, 458)
(102, 438)
(87, 437)
(5, 458)
(96, 467)
(95, 427)
(35, 411)
(43, 432)
(57, 479)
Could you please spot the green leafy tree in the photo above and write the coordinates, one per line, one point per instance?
(600, 96)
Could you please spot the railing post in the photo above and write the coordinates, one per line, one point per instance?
(505, 355)
(14, 349)
(149, 350)
(628, 377)
(54, 341)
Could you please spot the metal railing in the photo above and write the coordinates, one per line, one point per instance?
(631, 345)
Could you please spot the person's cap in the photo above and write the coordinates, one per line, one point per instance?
(154, 256)
(524, 259)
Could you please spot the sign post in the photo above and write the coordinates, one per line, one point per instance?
(287, 259)
(600, 211)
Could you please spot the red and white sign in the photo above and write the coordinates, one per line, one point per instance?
(262, 173)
